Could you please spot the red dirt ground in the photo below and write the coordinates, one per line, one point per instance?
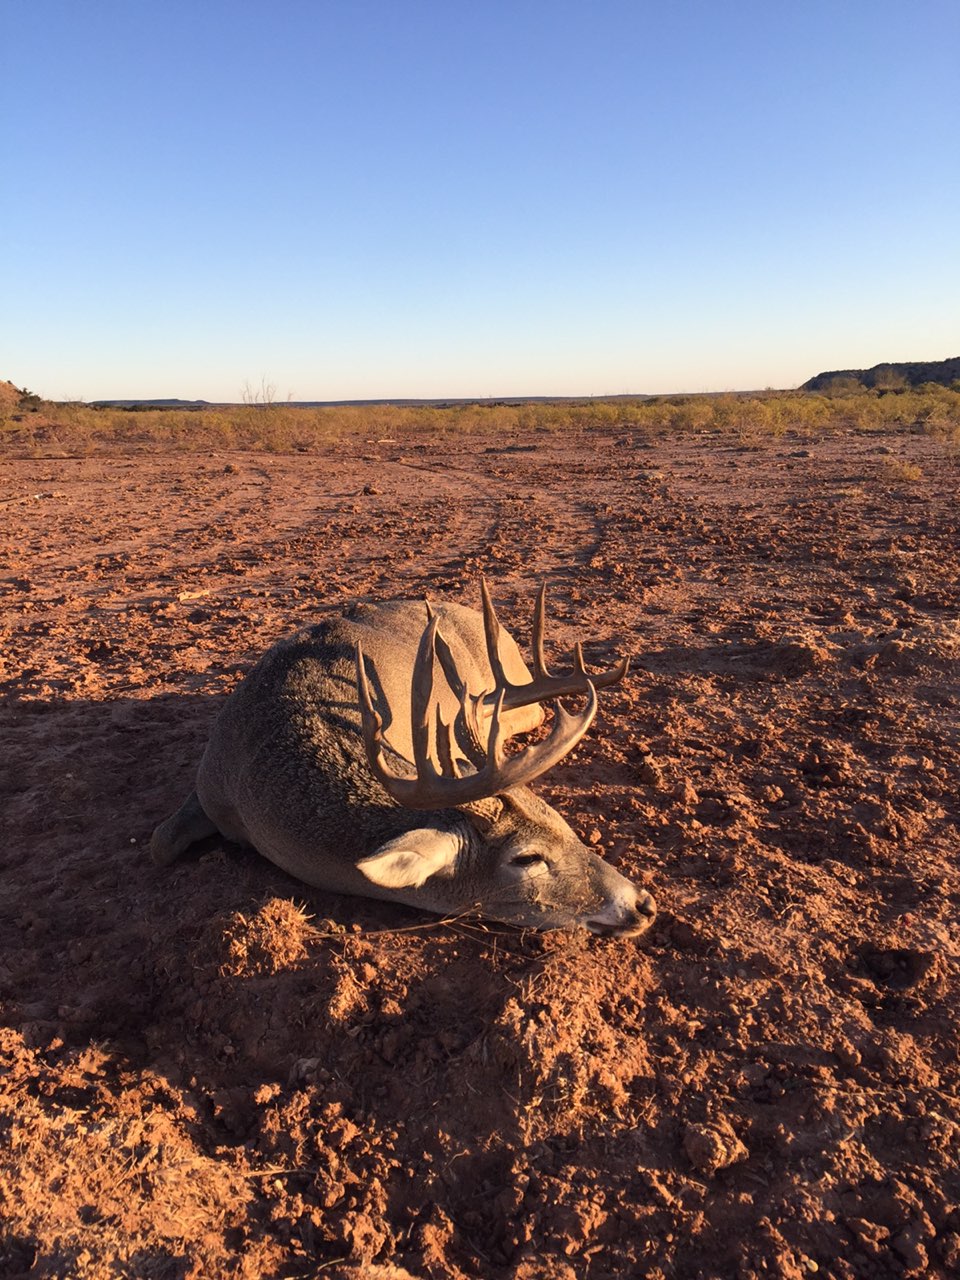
(215, 1071)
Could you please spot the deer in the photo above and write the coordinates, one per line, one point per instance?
(367, 754)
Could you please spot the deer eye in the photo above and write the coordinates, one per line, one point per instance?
(526, 860)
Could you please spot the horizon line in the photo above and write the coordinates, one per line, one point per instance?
(413, 401)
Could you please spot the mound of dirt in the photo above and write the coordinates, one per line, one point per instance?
(212, 1070)
(929, 645)
(798, 654)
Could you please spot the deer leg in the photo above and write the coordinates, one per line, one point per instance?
(174, 837)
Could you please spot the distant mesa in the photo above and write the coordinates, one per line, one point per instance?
(888, 377)
(151, 404)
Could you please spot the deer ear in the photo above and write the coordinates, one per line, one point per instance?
(410, 859)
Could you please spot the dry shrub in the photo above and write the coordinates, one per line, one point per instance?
(900, 471)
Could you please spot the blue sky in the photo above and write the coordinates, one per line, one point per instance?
(377, 198)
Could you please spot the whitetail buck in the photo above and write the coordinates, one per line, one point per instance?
(366, 755)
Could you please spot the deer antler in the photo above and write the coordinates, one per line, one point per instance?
(438, 781)
(544, 685)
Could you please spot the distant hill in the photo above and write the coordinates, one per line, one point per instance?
(152, 404)
(911, 374)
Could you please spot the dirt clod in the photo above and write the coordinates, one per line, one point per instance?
(713, 1146)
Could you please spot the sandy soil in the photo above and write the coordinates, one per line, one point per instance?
(216, 1071)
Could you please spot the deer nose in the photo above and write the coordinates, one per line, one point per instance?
(625, 919)
(644, 914)
(646, 904)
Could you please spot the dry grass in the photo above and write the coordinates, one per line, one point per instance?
(54, 428)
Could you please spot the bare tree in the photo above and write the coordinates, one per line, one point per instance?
(261, 397)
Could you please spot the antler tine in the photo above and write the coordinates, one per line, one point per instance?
(544, 684)
(449, 664)
(491, 628)
(467, 720)
(371, 722)
(367, 712)
(613, 675)
(539, 617)
(578, 659)
(445, 742)
(421, 696)
(495, 754)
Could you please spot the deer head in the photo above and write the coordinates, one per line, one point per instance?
(502, 852)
